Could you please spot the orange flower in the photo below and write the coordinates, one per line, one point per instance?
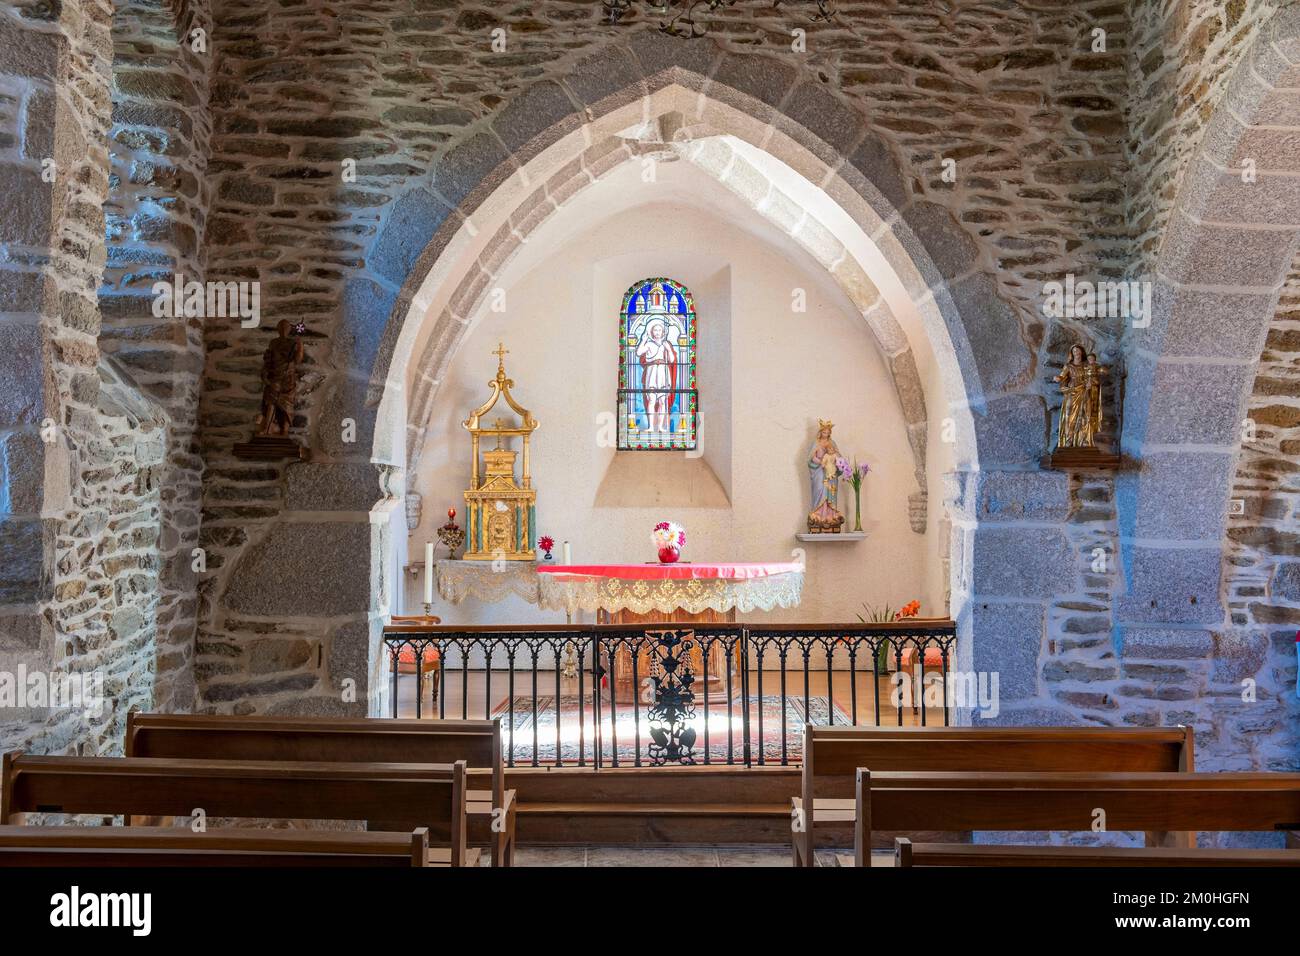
(911, 609)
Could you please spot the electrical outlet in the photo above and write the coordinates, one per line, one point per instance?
(1236, 506)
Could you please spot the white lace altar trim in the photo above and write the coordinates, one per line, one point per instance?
(490, 581)
(487, 581)
(692, 595)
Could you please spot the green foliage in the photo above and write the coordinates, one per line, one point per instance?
(879, 616)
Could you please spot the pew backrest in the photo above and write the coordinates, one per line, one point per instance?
(433, 795)
(903, 801)
(832, 755)
(349, 740)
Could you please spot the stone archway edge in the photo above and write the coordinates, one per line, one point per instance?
(819, 136)
(1225, 255)
(719, 160)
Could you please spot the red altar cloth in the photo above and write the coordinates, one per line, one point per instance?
(680, 571)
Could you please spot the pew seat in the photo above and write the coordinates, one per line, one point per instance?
(909, 854)
(180, 846)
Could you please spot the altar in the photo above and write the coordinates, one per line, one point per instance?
(649, 593)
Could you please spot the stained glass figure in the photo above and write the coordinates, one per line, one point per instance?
(658, 401)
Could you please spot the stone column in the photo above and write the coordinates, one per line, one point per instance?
(59, 609)
(1011, 559)
(156, 215)
(292, 613)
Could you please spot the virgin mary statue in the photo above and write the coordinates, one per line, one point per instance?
(824, 481)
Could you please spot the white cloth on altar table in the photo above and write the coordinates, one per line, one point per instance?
(665, 588)
(487, 581)
(640, 588)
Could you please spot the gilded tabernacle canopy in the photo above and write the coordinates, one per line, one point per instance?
(501, 515)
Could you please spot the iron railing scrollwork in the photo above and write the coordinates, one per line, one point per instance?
(638, 695)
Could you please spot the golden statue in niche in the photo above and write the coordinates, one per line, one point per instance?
(1081, 422)
(1092, 417)
(501, 515)
(1080, 419)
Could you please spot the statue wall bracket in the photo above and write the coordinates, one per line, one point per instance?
(1083, 459)
(271, 448)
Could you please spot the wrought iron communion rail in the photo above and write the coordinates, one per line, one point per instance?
(650, 695)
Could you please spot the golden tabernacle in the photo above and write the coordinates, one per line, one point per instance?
(501, 516)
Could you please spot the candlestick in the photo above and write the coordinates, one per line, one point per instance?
(568, 553)
(428, 573)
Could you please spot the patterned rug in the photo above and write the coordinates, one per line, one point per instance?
(520, 736)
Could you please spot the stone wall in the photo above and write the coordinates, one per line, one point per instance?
(1262, 569)
(1181, 56)
(155, 219)
(82, 445)
(238, 167)
(1233, 680)
(1017, 98)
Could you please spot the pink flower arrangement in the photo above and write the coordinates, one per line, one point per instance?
(854, 472)
(666, 534)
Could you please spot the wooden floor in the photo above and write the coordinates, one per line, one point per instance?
(840, 684)
(615, 814)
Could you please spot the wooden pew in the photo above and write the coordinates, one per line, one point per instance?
(1068, 801)
(832, 755)
(179, 846)
(907, 853)
(350, 740)
(432, 794)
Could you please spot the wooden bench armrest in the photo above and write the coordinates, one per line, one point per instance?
(478, 799)
(441, 856)
(830, 809)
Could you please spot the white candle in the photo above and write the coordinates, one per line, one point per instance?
(568, 553)
(428, 572)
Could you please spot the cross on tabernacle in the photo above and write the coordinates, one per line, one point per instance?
(501, 352)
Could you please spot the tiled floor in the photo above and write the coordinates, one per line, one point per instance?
(679, 856)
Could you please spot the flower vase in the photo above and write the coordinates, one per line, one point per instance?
(669, 555)
(857, 509)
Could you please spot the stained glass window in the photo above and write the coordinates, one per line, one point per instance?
(658, 404)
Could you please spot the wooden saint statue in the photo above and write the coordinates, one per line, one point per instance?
(280, 364)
